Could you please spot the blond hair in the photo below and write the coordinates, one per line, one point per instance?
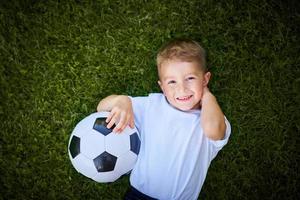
(186, 50)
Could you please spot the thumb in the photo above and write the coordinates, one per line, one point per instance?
(131, 123)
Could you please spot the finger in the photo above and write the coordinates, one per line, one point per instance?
(126, 122)
(110, 115)
(121, 123)
(118, 129)
(112, 121)
(131, 122)
(113, 116)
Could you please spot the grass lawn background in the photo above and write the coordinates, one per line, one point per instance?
(59, 58)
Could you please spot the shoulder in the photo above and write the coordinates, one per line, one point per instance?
(158, 100)
(152, 100)
(152, 97)
(156, 96)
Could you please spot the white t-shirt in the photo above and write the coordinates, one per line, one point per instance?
(175, 154)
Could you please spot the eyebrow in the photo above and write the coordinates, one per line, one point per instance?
(189, 74)
(167, 77)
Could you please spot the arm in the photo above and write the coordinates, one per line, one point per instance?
(212, 117)
(121, 112)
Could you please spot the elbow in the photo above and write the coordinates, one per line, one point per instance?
(105, 104)
(215, 130)
(100, 107)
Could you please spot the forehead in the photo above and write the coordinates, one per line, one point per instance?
(176, 67)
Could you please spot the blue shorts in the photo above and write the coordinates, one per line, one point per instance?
(134, 194)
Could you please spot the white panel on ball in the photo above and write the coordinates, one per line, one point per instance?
(106, 177)
(93, 143)
(84, 165)
(117, 143)
(125, 162)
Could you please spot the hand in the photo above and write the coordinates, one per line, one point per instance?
(205, 91)
(121, 114)
(205, 94)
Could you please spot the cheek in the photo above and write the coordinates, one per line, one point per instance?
(168, 92)
(198, 86)
(198, 89)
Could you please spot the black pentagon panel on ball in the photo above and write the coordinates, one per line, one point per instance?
(74, 146)
(135, 143)
(105, 162)
(100, 126)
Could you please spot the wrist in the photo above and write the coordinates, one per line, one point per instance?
(208, 96)
(123, 99)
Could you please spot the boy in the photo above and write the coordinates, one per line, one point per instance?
(181, 130)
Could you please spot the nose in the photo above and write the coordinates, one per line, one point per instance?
(182, 87)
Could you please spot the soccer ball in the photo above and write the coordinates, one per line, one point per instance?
(100, 154)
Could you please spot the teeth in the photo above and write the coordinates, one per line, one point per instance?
(184, 98)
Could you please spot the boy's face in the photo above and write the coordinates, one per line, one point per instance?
(182, 83)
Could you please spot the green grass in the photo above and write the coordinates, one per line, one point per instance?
(57, 60)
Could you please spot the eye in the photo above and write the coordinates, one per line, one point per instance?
(191, 78)
(171, 82)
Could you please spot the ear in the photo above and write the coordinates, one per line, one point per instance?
(206, 79)
(160, 85)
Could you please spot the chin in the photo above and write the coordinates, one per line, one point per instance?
(188, 107)
(184, 108)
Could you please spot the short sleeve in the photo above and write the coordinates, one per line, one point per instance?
(219, 144)
(139, 105)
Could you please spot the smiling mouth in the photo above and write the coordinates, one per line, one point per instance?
(185, 98)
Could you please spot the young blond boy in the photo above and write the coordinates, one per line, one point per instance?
(181, 130)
